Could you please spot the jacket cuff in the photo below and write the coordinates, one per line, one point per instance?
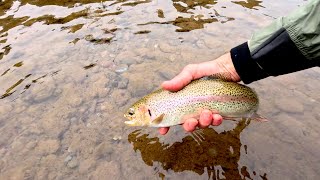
(246, 67)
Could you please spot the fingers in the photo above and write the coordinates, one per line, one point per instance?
(163, 130)
(217, 119)
(205, 119)
(182, 79)
(190, 125)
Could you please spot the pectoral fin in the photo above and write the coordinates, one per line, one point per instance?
(158, 120)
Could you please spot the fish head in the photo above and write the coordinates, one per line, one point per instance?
(138, 115)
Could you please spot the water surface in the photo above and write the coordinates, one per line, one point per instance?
(69, 69)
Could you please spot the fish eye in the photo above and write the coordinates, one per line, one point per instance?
(131, 112)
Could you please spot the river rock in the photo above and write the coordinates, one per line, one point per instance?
(164, 47)
(54, 124)
(42, 92)
(123, 83)
(5, 108)
(48, 146)
(289, 104)
(73, 163)
(140, 84)
(126, 57)
(103, 150)
(121, 68)
(85, 165)
(120, 97)
(107, 169)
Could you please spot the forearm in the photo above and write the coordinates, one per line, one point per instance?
(287, 45)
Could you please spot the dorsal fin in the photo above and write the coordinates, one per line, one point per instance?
(224, 76)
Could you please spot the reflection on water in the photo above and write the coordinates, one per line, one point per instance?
(69, 68)
(251, 4)
(185, 5)
(217, 154)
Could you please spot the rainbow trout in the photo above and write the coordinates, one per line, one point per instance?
(163, 108)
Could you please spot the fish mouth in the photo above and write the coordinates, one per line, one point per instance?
(130, 123)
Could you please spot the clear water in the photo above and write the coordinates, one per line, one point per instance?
(69, 69)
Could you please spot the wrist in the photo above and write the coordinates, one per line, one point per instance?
(226, 66)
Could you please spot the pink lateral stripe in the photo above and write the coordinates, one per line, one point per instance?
(221, 99)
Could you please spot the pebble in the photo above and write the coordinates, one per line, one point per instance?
(73, 163)
(117, 137)
(201, 44)
(164, 47)
(121, 68)
(68, 158)
(127, 61)
(123, 83)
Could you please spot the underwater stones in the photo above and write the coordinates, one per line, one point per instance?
(164, 47)
(73, 163)
(166, 74)
(106, 64)
(121, 68)
(289, 104)
(74, 100)
(201, 44)
(85, 165)
(128, 61)
(123, 83)
(53, 124)
(106, 106)
(140, 84)
(126, 57)
(49, 160)
(42, 92)
(5, 109)
(107, 169)
(47, 146)
(104, 150)
(120, 97)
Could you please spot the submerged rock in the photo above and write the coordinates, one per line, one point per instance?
(121, 68)
(140, 84)
(48, 146)
(289, 105)
(73, 163)
(120, 97)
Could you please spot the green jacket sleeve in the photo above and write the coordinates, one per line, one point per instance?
(289, 44)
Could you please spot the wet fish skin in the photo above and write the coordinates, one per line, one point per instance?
(163, 108)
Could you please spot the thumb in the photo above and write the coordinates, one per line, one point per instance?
(181, 80)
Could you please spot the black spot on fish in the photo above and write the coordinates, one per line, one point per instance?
(149, 112)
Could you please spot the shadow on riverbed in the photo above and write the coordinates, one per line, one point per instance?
(206, 150)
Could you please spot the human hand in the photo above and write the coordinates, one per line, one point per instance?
(222, 65)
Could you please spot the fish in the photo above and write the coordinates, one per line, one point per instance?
(163, 108)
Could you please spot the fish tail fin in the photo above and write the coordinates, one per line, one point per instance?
(258, 118)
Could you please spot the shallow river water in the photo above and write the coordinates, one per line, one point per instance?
(69, 69)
